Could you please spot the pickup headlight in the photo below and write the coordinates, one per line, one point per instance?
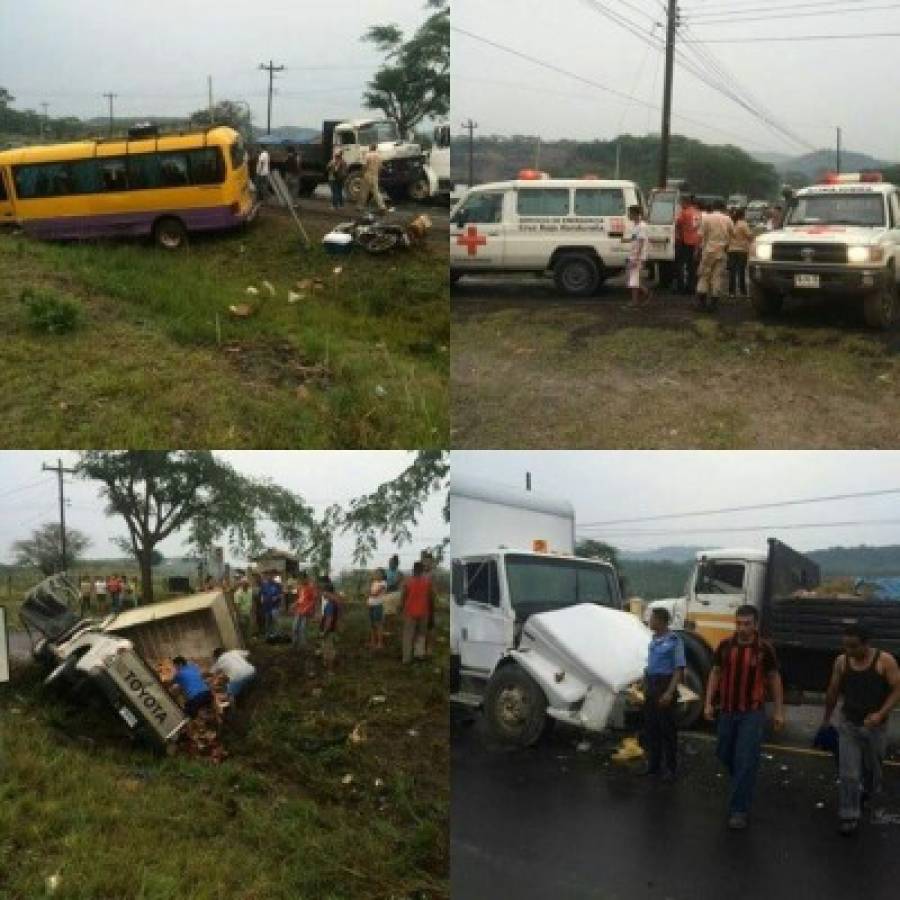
(858, 254)
(762, 251)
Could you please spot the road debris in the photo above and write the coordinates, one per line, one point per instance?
(241, 310)
(347, 779)
(53, 882)
(583, 746)
(358, 735)
(252, 291)
(295, 296)
(269, 287)
(628, 751)
(377, 699)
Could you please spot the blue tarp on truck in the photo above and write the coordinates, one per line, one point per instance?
(883, 588)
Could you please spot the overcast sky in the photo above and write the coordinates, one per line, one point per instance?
(614, 485)
(810, 87)
(156, 56)
(30, 497)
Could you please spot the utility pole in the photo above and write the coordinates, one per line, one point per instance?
(271, 68)
(60, 471)
(45, 119)
(470, 126)
(209, 85)
(838, 159)
(672, 15)
(110, 97)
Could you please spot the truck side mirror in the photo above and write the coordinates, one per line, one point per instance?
(458, 583)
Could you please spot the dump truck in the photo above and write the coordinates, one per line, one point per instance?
(804, 623)
(116, 656)
(537, 635)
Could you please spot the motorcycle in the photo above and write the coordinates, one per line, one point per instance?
(377, 236)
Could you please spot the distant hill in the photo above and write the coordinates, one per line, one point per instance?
(297, 133)
(810, 166)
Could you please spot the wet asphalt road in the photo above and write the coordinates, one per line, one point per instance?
(555, 822)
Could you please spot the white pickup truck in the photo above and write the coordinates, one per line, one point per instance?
(840, 239)
(537, 635)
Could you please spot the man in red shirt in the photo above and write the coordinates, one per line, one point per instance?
(744, 666)
(687, 246)
(417, 599)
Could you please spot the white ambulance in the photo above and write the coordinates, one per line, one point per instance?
(575, 229)
(840, 238)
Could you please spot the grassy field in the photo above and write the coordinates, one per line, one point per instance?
(359, 361)
(275, 821)
(534, 370)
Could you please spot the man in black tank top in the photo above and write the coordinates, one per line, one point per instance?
(868, 680)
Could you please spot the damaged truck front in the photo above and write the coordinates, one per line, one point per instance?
(536, 636)
(80, 653)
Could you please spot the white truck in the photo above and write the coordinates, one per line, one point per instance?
(537, 635)
(840, 239)
(804, 625)
(439, 161)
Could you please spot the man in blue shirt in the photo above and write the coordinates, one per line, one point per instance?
(195, 689)
(270, 598)
(665, 671)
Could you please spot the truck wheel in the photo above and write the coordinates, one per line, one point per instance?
(454, 277)
(576, 274)
(765, 303)
(353, 186)
(880, 307)
(419, 190)
(170, 233)
(515, 706)
(308, 188)
(687, 715)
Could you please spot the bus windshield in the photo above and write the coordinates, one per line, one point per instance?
(540, 584)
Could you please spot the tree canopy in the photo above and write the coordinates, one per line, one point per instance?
(591, 549)
(414, 82)
(43, 550)
(158, 493)
(225, 112)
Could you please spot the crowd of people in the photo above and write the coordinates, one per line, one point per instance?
(108, 593)
(712, 248)
(865, 682)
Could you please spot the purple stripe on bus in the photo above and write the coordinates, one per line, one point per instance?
(131, 224)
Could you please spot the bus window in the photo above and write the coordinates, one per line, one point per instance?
(85, 177)
(206, 166)
(238, 154)
(173, 169)
(143, 171)
(112, 175)
(45, 180)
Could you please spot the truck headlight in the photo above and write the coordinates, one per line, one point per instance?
(762, 251)
(858, 254)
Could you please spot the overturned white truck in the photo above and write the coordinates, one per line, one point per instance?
(116, 655)
(537, 635)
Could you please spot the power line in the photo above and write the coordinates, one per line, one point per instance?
(735, 18)
(792, 526)
(797, 39)
(24, 487)
(719, 9)
(829, 498)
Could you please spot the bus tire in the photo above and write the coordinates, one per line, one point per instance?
(765, 303)
(880, 307)
(170, 233)
(515, 707)
(576, 274)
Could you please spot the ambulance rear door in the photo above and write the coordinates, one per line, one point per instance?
(664, 208)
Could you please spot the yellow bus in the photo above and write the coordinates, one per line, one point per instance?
(159, 185)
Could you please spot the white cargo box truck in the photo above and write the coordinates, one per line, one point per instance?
(537, 635)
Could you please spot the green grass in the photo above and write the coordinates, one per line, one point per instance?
(160, 361)
(274, 822)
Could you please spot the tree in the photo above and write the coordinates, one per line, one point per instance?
(43, 550)
(414, 82)
(591, 549)
(5, 97)
(225, 112)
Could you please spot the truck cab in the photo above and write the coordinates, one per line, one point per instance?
(439, 159)
(840, 239)
(575, 229)
(537, 635)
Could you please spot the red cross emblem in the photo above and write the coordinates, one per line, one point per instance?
(471, 240)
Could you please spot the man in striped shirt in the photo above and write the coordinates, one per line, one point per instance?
(744, 666)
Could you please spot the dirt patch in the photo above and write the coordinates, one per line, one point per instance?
(277, 363)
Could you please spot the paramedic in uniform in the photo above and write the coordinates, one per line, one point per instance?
(716, 230)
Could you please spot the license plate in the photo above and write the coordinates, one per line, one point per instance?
(806, 281)
(129, 717)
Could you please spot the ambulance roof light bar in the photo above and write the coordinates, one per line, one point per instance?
(533, 175)
(852, 178)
